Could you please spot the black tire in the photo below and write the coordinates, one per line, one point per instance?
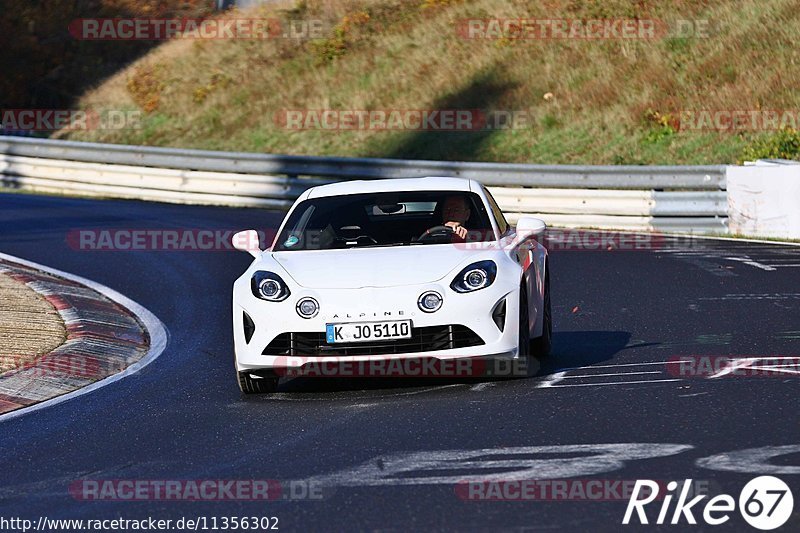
(541, 346)
(250, 385)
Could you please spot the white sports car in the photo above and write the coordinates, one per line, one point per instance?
(391, 269)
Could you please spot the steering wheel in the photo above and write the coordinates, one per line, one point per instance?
(436, 230)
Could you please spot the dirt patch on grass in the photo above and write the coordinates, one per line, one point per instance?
(29, 325)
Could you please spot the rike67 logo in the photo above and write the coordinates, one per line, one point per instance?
(765, 503)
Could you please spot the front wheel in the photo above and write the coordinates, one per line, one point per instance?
(541, 346)
(257, 385)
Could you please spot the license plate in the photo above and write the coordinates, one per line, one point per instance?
(367, 331)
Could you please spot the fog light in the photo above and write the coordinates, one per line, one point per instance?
(307, 308)
(430, 301)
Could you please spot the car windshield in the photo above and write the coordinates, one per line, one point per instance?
(384, 219)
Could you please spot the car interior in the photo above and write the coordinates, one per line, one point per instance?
(379, 220)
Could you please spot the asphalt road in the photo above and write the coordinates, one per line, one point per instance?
(619, 318)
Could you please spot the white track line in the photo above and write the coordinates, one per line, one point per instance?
(155, 328)
(752, 363)
(613, 383)
(608, 375)
(619, 365)
(779, 369)
(748, 261)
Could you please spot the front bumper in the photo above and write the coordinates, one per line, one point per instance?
(462, 328)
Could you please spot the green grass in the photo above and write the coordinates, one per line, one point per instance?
(613, 102)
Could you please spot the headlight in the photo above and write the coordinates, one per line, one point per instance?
(475, 277)
(269, 286)
(430, 301)
(307, 308)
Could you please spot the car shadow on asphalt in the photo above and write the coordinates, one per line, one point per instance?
(583, 348)
(570, 349)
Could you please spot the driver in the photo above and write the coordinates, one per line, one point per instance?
(455, 212)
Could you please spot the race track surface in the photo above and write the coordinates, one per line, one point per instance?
(620, 317)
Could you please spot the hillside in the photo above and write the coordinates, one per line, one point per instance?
(610, 101)
(44, 67)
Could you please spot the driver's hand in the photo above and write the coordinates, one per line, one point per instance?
(458, 229)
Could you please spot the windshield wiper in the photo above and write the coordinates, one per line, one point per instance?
(387, 244)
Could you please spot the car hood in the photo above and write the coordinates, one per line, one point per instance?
(372, 267)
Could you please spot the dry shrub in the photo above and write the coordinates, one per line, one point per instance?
(145, 87)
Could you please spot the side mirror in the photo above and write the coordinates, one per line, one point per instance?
(530, 226)
(247, 241)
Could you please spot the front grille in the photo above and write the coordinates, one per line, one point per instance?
(427, 339)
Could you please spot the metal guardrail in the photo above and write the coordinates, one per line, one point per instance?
(680, 198)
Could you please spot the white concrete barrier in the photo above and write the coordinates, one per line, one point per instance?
(764, 199)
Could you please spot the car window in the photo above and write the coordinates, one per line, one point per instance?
(502, 223)
(383, 219)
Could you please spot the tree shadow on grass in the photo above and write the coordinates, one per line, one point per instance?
(49, 63)
(483, 95)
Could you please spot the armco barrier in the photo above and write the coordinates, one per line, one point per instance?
(674, 198)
